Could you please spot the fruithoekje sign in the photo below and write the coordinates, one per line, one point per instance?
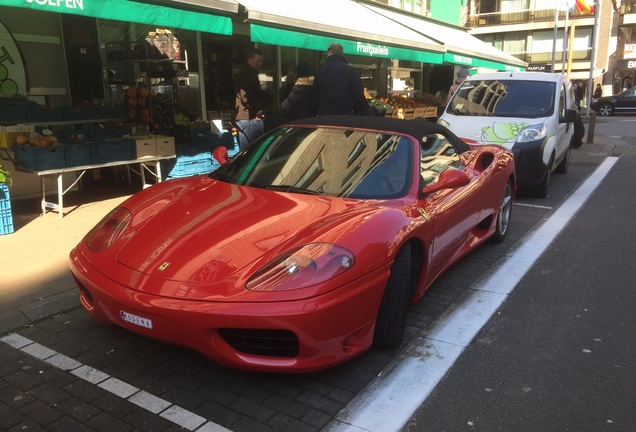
(12, 71)
(67, 4)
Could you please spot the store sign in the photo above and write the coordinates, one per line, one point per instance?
(127, 10)
(13, 78)
(625, 64)
(371, 50)
(67, 4)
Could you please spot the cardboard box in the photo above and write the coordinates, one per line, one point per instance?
(8, 134)
(146, 146)
(165, 146)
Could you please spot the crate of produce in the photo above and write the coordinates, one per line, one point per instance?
(8, 134)
(193, 151)
(187, 168)
(77, 153)
(165, 146)
(112, 150)
(6, 217)
(15, 111)
(38, 158)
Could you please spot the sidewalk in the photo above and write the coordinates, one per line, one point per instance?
(36, 282)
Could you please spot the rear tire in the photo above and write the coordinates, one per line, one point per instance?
(503, 215)
(391, 319)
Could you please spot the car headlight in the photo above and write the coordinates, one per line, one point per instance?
(532, 133)
(443, 123)
(306, 266)
(109, 229)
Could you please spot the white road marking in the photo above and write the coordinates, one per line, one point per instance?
(393, 396)
(388, 401)
(147, 401)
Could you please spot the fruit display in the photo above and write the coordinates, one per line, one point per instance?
(393, 102)
(44, 139)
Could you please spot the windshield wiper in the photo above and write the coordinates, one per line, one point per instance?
(287, 188)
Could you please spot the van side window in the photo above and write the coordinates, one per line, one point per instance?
(437, 154)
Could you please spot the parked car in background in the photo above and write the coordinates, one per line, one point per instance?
(621, 103)
(533, 114)
(304, 249)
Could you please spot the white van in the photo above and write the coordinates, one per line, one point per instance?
(533, 114)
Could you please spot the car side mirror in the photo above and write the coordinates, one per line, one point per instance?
(570, 116)
(220, 154)
(449, 179)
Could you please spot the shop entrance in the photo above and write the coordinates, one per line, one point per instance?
(82, 59)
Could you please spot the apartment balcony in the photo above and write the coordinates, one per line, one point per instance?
(517, 17)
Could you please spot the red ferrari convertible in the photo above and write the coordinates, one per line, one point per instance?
(303, 250)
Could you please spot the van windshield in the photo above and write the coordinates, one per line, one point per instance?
(504, 98)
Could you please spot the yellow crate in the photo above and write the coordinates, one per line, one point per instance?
(8, 134)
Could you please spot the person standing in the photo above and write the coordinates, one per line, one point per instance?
(598, 91)
(462, 74)
(300, 101)
(249, 99)
(338, 86)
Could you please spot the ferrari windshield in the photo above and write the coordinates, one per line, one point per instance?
(325, 161)
(504, 98)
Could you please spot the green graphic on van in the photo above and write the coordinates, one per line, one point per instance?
(500, 132)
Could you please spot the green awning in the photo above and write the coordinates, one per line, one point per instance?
(315, 24)
(296, 39)
(124, 10)
(462, 48)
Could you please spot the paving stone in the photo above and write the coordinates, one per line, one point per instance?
(220, 414)
(252, 409)
(78, 409)
(105, 422)
(10, 417)
(284, 423)
(41, 412)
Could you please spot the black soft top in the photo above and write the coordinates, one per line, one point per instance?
(417, 129)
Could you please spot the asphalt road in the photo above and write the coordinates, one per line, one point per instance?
(559, 354)
(528, 368)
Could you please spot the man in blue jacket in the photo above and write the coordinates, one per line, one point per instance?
(339, 86)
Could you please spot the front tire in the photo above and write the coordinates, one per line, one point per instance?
(391, 319)
(562, 167)
(541, 191)
(503, 215)
(606, 110)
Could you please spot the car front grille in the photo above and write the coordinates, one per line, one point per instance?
(264, 342)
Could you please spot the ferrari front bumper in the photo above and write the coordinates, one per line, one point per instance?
(292, 336)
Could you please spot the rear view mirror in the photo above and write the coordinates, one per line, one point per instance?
(220, 154)
(448, 179)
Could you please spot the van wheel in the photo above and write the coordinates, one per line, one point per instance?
(541, 191)
(562, 168)
(391, 320)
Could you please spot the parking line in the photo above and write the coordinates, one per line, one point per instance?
(147, 401)
(394, 395)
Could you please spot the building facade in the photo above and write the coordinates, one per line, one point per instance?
(585, 45)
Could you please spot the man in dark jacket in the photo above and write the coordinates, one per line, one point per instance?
(338, 85)
(249, 99)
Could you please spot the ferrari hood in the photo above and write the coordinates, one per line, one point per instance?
(213, 229)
